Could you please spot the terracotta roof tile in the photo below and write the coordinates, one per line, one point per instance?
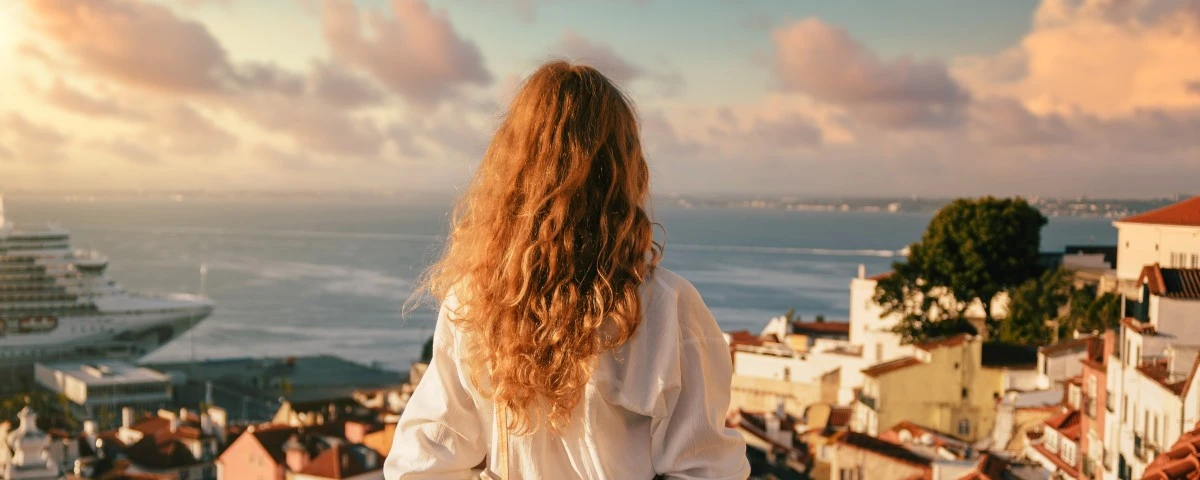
(1183, 283)
(1138, 326)
(341, 461)
(890, 366)
(822, 328)
(1181, 462)
(880, 447)
(1185, 213)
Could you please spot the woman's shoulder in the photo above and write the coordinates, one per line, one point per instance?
(675, 304)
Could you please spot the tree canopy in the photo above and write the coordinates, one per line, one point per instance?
(972, 250)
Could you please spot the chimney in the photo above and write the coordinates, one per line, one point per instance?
(183, 414)
(174, 424)
(126, 417)
(89, 428)
(862, 271)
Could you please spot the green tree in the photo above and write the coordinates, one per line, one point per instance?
(1035, 309)
(972, 250)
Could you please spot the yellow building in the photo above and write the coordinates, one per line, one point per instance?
(943, 386)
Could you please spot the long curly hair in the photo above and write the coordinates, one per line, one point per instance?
(548, 246)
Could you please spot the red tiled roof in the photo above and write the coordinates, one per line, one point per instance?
(1138, 326)
(1159, 371)
(880, 447)
(160, 453)
(840, 416)
(743, 337)
(952, 341)
(881, 276)
(1185, 213)
(822, 328)
(1181, 462)
(890, 366)
(1172, 282)
(990, 467)
(1066, 424)
(337, 462)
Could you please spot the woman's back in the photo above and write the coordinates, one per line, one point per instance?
(653, 406)
(554, 318)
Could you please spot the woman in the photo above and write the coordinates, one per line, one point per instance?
(562, 349)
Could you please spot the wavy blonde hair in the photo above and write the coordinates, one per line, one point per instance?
(549, 244)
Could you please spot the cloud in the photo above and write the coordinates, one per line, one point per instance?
(182, 130)
(668, 80)
(1102, 57)
(135, 42)
(65, 97)
(28, 141)
(290, 160)
(338, 86)
(414, 52)
(598, 55)
(131, 151)
(826, 63)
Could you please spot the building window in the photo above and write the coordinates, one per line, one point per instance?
(854, 473)
(965, 392)
(964, 427)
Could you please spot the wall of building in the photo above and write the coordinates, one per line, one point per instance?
(870, 328)
(1176, 317)
(1139, 245)
(808, 368)
(757, 394)
(871, 465)
(951, 388)
(247, 459)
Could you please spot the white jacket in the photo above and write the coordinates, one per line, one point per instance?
(656, 405)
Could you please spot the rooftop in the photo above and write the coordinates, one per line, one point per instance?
(838, 328)
(1183, 283)
(891, 366)
(881, 447)
(1185, 214)
(1087, 342)
(107, 372)
(1181, 462)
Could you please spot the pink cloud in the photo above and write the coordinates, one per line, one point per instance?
(599, 55)
(828, 64)
(339, 86)
(415, 52)
(135, 42)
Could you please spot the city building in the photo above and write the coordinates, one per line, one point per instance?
(1094, 405)
(773, 446)
(1151, 376)
(1180, 462)
(333, 449)
(858, 456)
(1062, 361)
(1166, 236)
(23, 451)
(944, 386)
(1056, 445)
(99, 389)
(1153, 397)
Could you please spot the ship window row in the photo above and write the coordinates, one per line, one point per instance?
(126, 389)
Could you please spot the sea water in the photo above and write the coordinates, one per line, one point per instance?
(305, 277)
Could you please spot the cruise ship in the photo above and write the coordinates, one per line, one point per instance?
(58, 304)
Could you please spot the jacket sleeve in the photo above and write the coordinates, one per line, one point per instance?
(691, 441)
(440, 434)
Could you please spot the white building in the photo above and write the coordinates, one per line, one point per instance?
(1169, 236)
(106, 384)
(1152, 386)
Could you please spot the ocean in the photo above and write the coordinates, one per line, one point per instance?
(305, 277)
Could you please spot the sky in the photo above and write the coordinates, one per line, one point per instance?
(849, 98)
